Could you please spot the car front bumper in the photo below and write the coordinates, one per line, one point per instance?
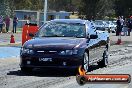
(57, 62)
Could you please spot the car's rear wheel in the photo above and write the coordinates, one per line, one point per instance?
(104, 61)
(86, 61)
(26, 69)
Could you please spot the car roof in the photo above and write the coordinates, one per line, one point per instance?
(70, 21)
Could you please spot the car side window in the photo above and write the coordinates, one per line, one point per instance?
(91, 28)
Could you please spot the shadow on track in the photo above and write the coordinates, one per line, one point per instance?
(50, 72)
(44, 73)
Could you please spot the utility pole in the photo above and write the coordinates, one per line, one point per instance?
(45, 10)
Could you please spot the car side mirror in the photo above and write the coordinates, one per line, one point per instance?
(31, 35)
(93, 36)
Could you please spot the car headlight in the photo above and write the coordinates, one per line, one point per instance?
(68, 52)
(26, 51)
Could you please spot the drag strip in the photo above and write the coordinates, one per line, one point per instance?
(11, 76)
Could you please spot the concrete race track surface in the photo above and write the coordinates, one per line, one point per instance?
(120, 61)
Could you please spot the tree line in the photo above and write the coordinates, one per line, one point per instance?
(98, 9)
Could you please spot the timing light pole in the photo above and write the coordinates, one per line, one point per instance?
(45, 10)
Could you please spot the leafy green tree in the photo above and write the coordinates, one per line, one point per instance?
(96, 8)
(27, 4)
(87, 9)
(4, 8)
(123, 8)
(60, 5)
(104, 8)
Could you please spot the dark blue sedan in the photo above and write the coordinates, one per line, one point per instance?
(65, 43)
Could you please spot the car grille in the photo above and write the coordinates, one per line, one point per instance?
(47, 52)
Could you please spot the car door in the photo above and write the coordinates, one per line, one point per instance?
(93, 45)
(102, 42)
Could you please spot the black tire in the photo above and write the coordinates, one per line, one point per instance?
(104, 61)
(85, 64)
(26, 69)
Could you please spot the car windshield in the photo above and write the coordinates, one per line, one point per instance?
(60, 29)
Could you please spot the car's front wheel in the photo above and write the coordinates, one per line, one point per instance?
(104, 61)
(86, 62)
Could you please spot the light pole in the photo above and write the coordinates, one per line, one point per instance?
(45, 10)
